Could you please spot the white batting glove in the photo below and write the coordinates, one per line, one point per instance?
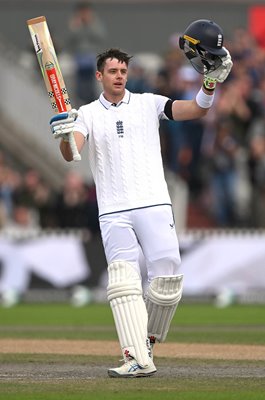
(222, 72)
(63, 124)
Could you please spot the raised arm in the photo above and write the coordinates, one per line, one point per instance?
(192, 109)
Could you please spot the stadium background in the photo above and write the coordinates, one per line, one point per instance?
(133, 25)
(146, 29)
(51, 350)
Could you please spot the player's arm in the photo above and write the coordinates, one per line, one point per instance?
(66, 148)
(192, 109)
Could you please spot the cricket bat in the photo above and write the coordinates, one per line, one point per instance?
(51, 71)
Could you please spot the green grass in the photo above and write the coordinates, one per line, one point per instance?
(241, 324)
(192, 323)
(157, 389)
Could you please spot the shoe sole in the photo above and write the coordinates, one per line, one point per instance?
(113, 374)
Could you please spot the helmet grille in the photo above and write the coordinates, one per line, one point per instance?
(201, 59)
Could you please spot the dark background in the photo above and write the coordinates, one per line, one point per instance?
(132, 25)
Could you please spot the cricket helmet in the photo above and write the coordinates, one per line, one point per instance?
(202, 43)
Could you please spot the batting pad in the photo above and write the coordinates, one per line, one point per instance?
(129, 311)
(162, 298)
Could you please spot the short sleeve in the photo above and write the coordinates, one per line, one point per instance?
(80, 123)
(160, 102)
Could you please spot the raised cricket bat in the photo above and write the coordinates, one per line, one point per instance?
(51, 71)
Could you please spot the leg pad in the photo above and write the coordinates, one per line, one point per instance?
(162, 298)
(129, 311)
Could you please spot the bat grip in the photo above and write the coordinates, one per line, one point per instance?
(76, 155)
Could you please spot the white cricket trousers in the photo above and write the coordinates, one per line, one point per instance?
(150, 231)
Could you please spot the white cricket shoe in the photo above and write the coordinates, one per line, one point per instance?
(131, 369)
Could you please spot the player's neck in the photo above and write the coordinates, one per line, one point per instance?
(113, 98)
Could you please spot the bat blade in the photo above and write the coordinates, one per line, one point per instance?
(51, 71)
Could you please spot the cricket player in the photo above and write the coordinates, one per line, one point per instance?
(135, 213)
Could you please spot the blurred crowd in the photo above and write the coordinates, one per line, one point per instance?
(221, 158)
(215, 165)
(27, 202)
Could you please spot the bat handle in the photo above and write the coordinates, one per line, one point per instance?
(76, 155)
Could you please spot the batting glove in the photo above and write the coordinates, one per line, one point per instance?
(63, 124)
(222, 72)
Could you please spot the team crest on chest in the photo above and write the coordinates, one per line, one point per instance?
(120, 128)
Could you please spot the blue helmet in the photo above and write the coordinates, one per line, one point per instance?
(202, 43)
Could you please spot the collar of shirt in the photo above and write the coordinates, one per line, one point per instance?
(107, 104)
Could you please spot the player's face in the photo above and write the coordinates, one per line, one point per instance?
(113, 78)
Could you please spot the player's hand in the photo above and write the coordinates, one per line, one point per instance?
(222, 72)
(63, 124)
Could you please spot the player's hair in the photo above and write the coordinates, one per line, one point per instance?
(112, 53)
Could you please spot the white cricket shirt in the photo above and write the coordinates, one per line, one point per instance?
(124, 151)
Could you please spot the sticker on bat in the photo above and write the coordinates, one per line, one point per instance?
(36, 42)
(55, 85)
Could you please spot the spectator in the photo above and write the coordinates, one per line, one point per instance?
(224, 175)
(237, 103)
(37, 197)
(137, 79)
(86, 38)
(10, 180)
(44, 203)
(257, 173)
(183, 148)
(76, 205)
